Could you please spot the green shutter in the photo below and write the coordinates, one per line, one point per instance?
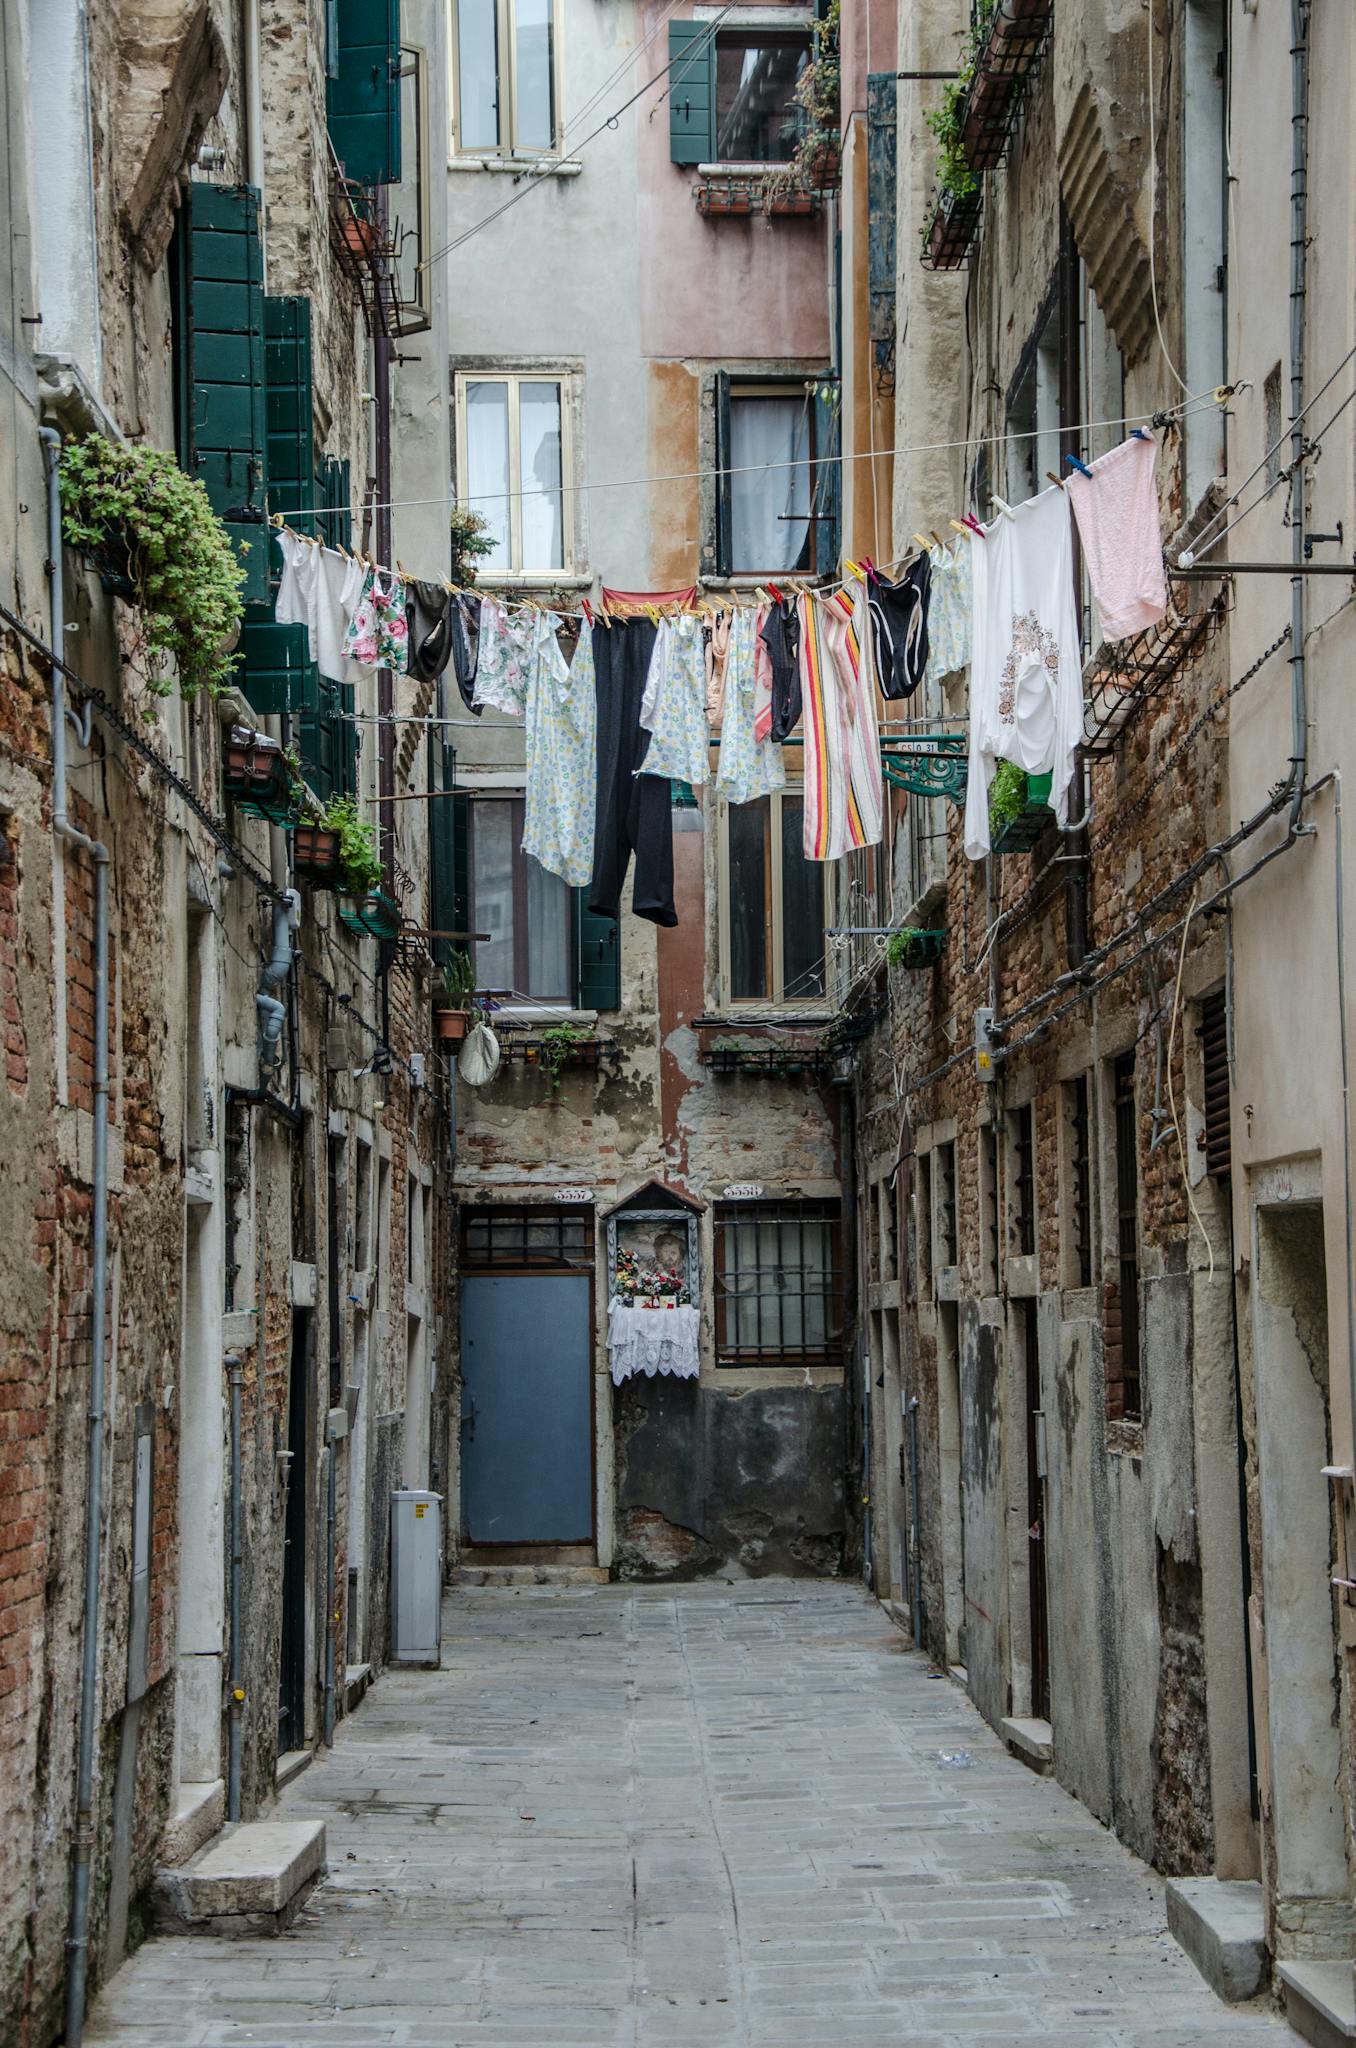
(446, 848)
(597, 947)
(321, 741)
(828, 479)
(275, 667)
(882, 97)
(227, 440)
(334, 517)
(363, 95)
(724, 543)
(692, 92)
(290, 404)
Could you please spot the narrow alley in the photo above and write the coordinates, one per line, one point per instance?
(681, 1817)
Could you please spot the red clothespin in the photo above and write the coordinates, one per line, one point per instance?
(774, 592)
(974, 525)
(588, 609)
(870, 568)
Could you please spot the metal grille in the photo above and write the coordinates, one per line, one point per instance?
(1215, 1056)
(1024, 1179)
(1122, 1346)
(1080, 1175)
(526, 1236)
(778, 1284)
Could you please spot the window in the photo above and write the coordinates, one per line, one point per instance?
(513, 455)
(946, 1203)
(409, 201)
(362, 1208)
(1121, 1334)
(1214, 1031)
(732, 97)
(778, 1284)
(772, 904)
(1076, 1197)
(545, 945)
(505, 99)
(923, 1223)
(1022, 1128)
(988, 1208)
(527, 1237)
(1205, 219)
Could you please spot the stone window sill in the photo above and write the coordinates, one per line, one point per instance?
(518, 166)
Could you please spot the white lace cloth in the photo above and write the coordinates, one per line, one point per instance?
(651, 1341)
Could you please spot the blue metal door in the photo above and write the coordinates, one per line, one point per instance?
(526, 1414)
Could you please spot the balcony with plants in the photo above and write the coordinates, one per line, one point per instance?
(975, 121)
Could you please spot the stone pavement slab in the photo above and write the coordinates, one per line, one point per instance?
(710, 1816)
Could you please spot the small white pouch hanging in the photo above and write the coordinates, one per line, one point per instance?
(478, 1061)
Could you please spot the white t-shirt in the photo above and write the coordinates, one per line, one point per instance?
(1026, 669)
(320, 589)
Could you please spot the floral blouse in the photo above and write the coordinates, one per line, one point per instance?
(562, 762)
(378, 635)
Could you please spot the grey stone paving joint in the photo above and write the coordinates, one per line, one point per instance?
(711, 1816)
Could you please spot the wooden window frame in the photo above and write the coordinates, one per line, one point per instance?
(507, 147)
(776, 998)
(514, 379)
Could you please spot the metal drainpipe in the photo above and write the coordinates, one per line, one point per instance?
(77, 1943)
(331, 1611)
(915, 1522)
(236, 1648)
(1299, 228)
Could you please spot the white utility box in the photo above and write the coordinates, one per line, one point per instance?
(416, 1578)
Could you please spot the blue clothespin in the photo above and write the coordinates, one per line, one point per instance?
(1138, 434)
(1081, 467)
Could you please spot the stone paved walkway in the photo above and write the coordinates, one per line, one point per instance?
(705, 1817)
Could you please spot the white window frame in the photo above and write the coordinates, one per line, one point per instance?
(775, 999)
(490, 373)
(508, 145)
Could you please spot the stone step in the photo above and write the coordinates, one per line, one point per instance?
(529, 1575)
(250, 1880)
(1222, 1927)
(1032, 1741)
(1320, 2003)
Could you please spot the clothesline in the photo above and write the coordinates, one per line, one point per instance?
(1199, 401)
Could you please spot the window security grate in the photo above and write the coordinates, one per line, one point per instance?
(778, 1284)
(529, 1236)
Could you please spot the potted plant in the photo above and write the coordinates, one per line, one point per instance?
(452, 1002)
(815, 162)
(914, 947)
(472, 541)
(258, 777)
(558, 1043)
(1019, 808)
(158, 545)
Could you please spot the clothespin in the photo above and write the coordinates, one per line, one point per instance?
(776, 593)
(1138, 434)
(921, 541)
(1004, 508)
(1081, 467)
(653, 610)
(588, 613)
(405, 575)
(958, 528)
(938, 538)
(975, 526)
(852, 569)
(762, 595)
(1057, 481)
(277, 520)
(871, 568)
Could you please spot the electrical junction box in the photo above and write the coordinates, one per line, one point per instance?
(984, 1047)
(416, 1578)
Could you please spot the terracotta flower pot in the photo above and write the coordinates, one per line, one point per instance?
(452, 1025)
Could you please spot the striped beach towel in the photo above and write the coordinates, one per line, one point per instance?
(843, 794)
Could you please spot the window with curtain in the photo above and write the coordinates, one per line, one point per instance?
(504, 77)
(512, 449)
(528, 913)
(757, 118)
(770, 482)
(771, 904)
(778, 1284)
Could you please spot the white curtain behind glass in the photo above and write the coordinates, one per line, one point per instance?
(492, 891)
(487, 464)
(535, 107)
(540, 454)
(548, 935)
(765, 432)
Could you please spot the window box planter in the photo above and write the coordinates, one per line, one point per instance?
(1019, 834)
(718, 198)
(315, 856)
(777, 1061)
(373, 913)
(1003, 69)
(951, 234)
(451, 1026)
(916, 948)
(257, 779)
(824, 168)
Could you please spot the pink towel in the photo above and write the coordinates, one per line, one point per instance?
(1117, 512)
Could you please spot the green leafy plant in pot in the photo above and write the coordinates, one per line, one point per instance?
(558, 1044)
(452, 1003)
(152, 534)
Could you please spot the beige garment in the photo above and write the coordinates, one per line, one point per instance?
(717, 656)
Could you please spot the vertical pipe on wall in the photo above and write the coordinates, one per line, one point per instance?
(1299, 230)
(236, 1659)
(77, 1945)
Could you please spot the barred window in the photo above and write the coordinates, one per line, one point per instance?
(778, 1284)
(526, 1236)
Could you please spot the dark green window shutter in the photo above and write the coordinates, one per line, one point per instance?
(334, 518)
(828, 479)
(692, 92)
(275, 669)
(227, 440)
(363, 95)
(287, 363)
(349, 741)
(321, 741)
(882, 98)
(724, 544)
(447, 849)
(597, 947)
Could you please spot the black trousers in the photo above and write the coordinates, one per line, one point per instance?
(634, 812)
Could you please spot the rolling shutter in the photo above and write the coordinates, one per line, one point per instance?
(597, 945)
(227, 437)
(363, 94)
(692, 92)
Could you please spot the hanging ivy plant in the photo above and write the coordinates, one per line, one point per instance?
(154, 534)
(954, 174)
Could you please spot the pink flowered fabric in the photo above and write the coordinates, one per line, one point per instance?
(378, 635)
